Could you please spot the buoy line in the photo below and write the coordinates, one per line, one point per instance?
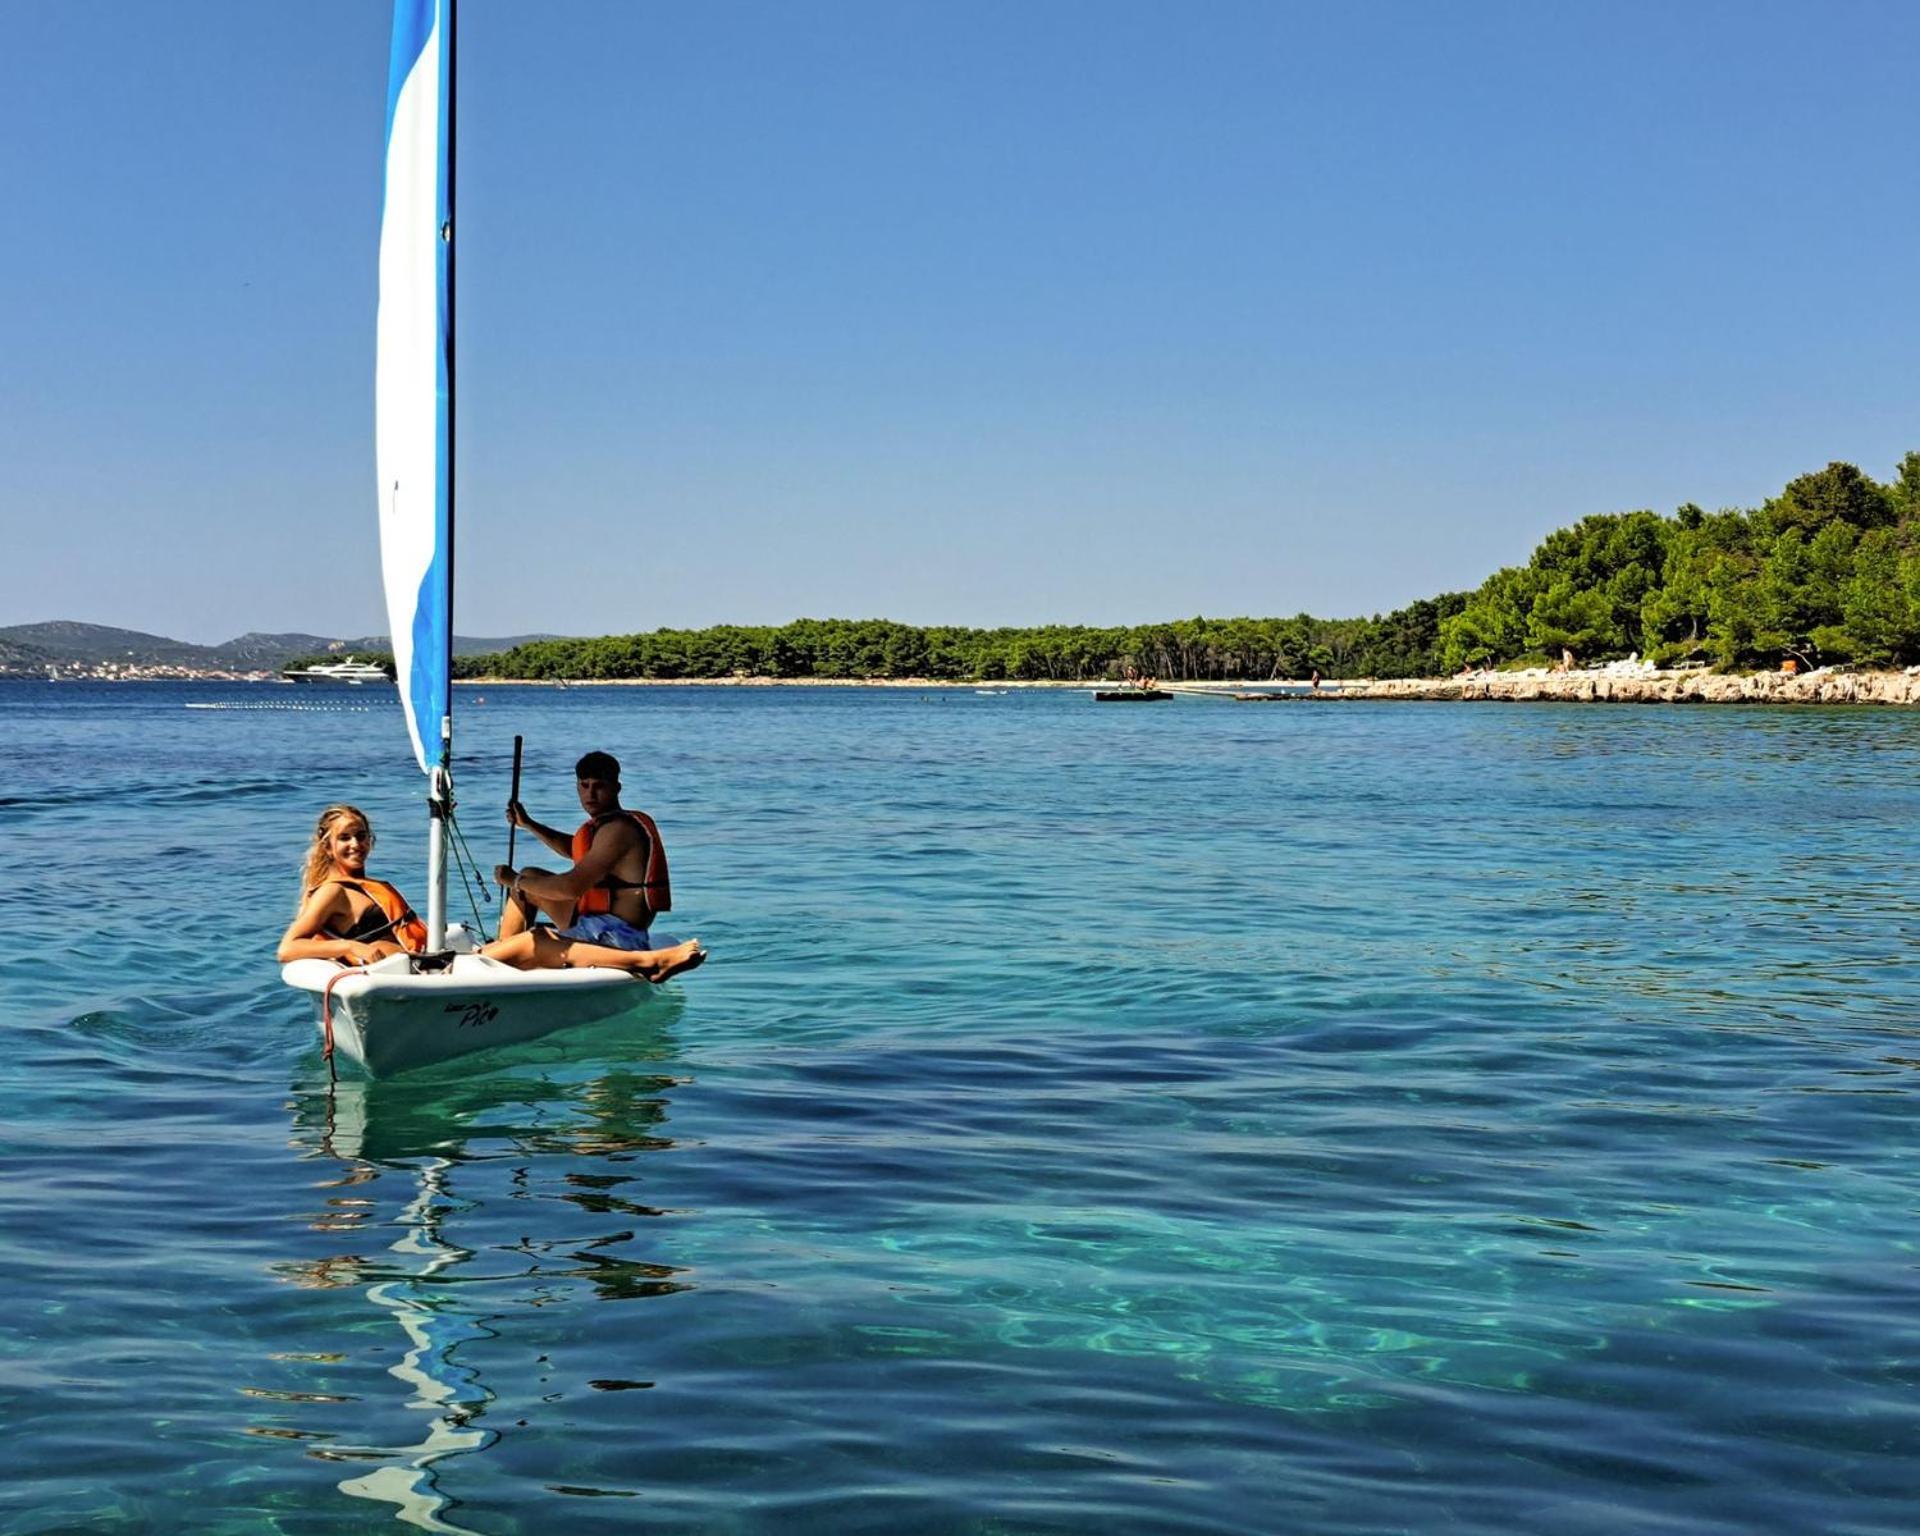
(304, 709)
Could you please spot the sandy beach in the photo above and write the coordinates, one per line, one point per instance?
(970, 686)
(1599, 686)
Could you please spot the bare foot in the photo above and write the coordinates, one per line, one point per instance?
(659, 964)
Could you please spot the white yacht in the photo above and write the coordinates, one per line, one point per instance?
(348, 671)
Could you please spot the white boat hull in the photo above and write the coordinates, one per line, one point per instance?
(390, 1020)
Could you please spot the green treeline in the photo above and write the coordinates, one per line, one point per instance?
(1827, 571)
(1401, 644)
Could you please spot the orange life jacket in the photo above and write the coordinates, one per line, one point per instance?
(407, 929)
(654, 889)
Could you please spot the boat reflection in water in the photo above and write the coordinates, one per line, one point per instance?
(550, 1128)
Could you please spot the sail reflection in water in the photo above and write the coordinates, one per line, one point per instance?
(451, 1394)
(489, 1165)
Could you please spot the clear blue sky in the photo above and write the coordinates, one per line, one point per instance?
(961, 312)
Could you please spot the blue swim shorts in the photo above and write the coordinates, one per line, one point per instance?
(603, 928)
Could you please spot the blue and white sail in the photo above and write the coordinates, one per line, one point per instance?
(413, 376)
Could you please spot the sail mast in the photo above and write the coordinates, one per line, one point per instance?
(440, 783)
(450, 140)
(413, 397)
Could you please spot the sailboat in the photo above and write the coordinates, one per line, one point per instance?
(413, 1010)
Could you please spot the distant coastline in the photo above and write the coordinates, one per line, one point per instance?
(1823, 579)
(1595, 687)
(1598, 686)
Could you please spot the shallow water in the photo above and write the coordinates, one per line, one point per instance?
(1339, 1118)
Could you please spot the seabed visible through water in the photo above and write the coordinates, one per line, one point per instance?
(1395, 1117)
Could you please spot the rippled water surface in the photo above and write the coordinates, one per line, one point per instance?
(1340, 1118)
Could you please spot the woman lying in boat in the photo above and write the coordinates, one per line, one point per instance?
(348, 916)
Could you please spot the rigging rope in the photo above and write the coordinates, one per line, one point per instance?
(470, 878)
(326, 1015)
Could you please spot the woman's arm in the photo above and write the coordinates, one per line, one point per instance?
(307, 938)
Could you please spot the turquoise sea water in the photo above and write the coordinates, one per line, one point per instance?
(1343, 1118)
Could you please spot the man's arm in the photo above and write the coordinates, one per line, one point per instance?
(610, 844)
(553, 837)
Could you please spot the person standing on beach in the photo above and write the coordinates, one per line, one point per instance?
(617, 881)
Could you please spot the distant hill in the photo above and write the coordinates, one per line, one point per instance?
(283, 647)
(66, 642)
(16, 659)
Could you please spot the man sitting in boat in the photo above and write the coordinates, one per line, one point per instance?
(346, 915)
(618, 879)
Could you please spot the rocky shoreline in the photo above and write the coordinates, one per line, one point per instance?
(1645, 688)
(1602, 686)
(1598, 687)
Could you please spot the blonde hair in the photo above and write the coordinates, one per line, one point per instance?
(319, 865)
